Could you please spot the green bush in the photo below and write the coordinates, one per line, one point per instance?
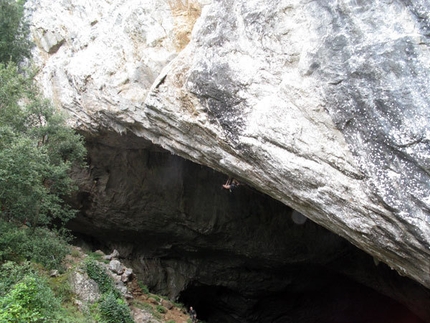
(112, 307)
(30, 300)
(40, 245)
(114, 310)
(12, 242)
(96, 272)
(48, 247)
(161, 309)
(11, 273)
(143, 288)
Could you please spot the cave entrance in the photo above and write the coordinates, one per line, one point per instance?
(249, 257)
(213, 303)
(331, 299)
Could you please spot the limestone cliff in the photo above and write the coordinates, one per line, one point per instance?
(323, 105)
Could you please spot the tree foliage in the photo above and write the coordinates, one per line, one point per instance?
(38, 245)
(14, 31)
(30, 300)
(37, 149)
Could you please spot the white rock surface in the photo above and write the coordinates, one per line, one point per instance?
(99, 59)
(323, 106)
(85, 288)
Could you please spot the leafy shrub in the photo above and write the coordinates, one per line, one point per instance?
(96, 272)
(12, 242)
(161, 309)
(30, 300)
(11, 273)
(114, 310)
(48, 247)
(144, 288)
(39, 245)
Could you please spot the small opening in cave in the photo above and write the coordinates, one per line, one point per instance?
(333, 299)
(203, 300)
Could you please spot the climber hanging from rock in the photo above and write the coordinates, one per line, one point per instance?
(231, 184)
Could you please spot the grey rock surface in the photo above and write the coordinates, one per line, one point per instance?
(116, 267)
(85, 288)
(321, 105)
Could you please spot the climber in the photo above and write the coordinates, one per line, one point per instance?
(231, 184)
(193, 315)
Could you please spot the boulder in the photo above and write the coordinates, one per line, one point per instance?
(116, 267)
(127, 275)
(85, 288)
(112, 256)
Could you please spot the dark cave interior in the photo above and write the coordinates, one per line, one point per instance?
(333, 299)
(234, 256)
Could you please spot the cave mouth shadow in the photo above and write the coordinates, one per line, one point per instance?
(153, 204)
(336, 299)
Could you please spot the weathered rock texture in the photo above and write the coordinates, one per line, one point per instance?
(99, 59)
(323, 105)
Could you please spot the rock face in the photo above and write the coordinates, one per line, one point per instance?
(98, 60)
(321, 105)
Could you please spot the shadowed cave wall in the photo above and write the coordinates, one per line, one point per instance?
(235, 256)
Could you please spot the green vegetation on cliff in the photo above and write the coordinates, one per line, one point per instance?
(14, 42)
(37, 151)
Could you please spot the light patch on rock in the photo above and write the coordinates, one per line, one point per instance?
(85, 288)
